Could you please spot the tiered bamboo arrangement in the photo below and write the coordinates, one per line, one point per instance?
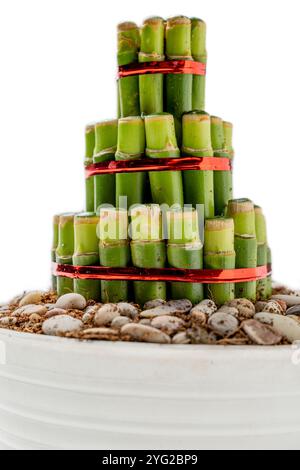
(180, 219)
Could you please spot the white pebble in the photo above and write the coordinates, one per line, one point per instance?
(245, 307)
(31, 298)
(55, 311)
(157, 311)
(148, 334)
(61, 324)
(181, 338)
(181, 305)
(120, 321)
(6, 321)
(205, 306)
(260, 333)
(128, 310)
(154, 303)
(168, 324)
(106, 314)
(29, 310)
(230, 310)
(71, 301)
(283, 325)
(99, 333)
(273, 307)
(290, 300)
(223, 324)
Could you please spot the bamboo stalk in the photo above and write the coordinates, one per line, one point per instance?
(106, 135)
(131, 146)
(54, 248)
(114, 251)
(178, 86)
(152, 49)
(166, 186)
(219, 254)
(89, 182)
(228, 129)
(198, 185)
(86, 253)
(262, 251)
(65, 250)
(269, 289)
(148, 250)
(128, 46)
(245, 243)
(198, 48)
(185, 250)
(222, 179)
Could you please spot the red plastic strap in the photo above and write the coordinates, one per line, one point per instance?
(204, 276)
(159, 164)
(164, 67)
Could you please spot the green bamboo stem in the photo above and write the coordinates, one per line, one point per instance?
(114, 251)
(106, 135)
(152, 49)
(262, 251)
(178, 86)
(185, 250)
(222, 179)
(198, 48)
(89, 182)
(65, 250)
(198, 185)
(53, 249)
(148, 250)
(269, 288)
(128, 46)
(86, 253)
(245, 243)
(219, 254)
(228, 129)
(166, 186)
(131, 146)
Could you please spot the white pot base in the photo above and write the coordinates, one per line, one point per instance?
(58, 393)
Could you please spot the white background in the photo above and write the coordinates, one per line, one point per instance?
(58, 73)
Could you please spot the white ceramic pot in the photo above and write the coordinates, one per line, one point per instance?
(63, 394)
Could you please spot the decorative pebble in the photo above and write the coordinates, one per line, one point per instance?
(260, 333)
(106, 314)
(230, 310)
(290, 300)
(6, 321)
(35, 318)
(181, 338)
(154, 303)
(120, 321)
(260, 305)
(206, 306)
(148, 334)
(128, 310)
(50, 306)
(283, 325)
(181, 305)
(100, 333)
(55, 311)
(157, 311)
(168, 324)
(223, 323)
(4, 308)
(200, 335)
(61, 324)
(293, 310)
(71, 301)
(245, 307)
(273, 307)
(31, 298)
(29, 310)
(145, 321)
(199, 317)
